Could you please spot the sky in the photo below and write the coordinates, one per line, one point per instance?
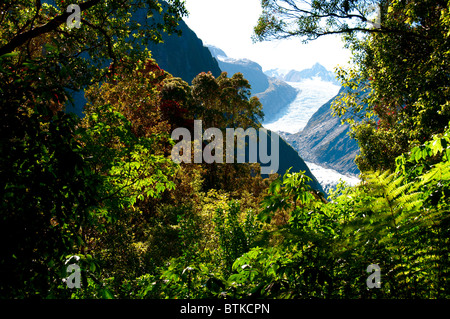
(228, 25)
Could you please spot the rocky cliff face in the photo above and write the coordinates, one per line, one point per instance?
(184, 56)
(325, 141)
(252, 71)
(276, 97)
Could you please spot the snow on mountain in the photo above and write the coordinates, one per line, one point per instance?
(216, 52)
(316, 86)
(317, 70)
(325, 141)
(274, 94)
(277, 73)
(313, 93)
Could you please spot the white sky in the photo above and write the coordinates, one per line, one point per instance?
(228, 25)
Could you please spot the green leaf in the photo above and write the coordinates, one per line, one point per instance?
(9, 55)
(437, 146)
(417, 155)
(107, 294)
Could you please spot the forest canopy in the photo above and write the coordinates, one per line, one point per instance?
(102, 191)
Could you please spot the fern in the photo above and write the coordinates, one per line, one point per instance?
(441, 172)
(398, 220)
(400, 230)
(392, 200)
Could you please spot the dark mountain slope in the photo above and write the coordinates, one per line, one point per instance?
(184, 56)
(277, 97)
(290, 158)
(274, 94)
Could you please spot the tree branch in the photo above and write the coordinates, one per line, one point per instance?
(108, 40)
(52, 25)
(31, 22)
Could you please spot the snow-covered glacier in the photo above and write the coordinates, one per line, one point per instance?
(329, 178)
(313, 93)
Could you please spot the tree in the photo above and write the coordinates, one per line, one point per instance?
(240, 108)
(222, 103)
(108, 31)
(50, 192)
(313, 19)
(225, 102)
(406, 77)
(398, 85)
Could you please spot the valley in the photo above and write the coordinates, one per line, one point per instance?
(312, 94)
(290, 99)
(132, 167)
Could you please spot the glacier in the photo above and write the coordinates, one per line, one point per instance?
(313, 93)
(329, 178)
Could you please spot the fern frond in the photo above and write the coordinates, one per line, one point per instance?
(440, 172)
(397, 189)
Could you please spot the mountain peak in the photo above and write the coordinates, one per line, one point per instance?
(216, 52)
(317, 70)
(252, 71)
(319, 67)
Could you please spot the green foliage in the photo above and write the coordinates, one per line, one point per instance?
(48, 192)
(55, 199)
(225, 102)
(293, 193)
(105, 30)
(310, 20)
(133, 170)
(403, 72)
(105, 190)
(232, 239)
(389, 220)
